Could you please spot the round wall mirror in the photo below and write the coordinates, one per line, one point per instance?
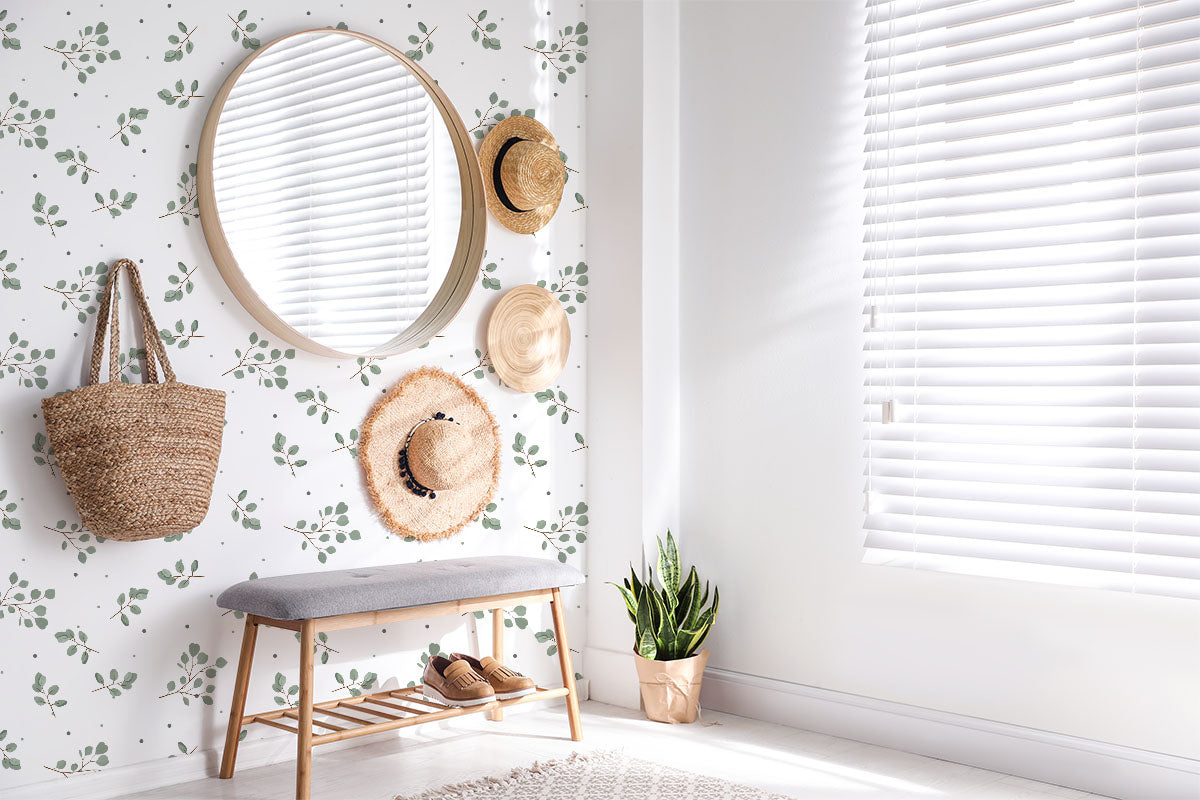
(340, 195)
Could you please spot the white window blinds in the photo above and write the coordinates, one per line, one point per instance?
(1032, 314)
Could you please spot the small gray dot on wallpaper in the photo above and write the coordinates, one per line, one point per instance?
(116, 653)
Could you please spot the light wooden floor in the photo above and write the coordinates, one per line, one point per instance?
(784, 760)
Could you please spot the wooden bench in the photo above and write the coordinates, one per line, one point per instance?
(356, 598)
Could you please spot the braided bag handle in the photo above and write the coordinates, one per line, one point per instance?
(154, 345)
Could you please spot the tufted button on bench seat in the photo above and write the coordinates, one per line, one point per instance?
(353, 598)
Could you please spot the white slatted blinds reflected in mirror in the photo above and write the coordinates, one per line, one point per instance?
(1032, 230)
(338, 189)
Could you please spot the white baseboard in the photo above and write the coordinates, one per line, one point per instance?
(1107, 769)
(613, 677)
(118, 782)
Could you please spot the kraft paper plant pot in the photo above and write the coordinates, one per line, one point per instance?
(671, 689)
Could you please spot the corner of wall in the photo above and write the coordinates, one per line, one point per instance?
(633, 378)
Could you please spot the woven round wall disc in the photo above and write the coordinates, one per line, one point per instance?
(528, 338)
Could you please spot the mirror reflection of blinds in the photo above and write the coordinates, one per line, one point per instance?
(1032, 261)
(324, 165)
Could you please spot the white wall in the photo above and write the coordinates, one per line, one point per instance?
(633, 352)
(614, 424)
(772, 442)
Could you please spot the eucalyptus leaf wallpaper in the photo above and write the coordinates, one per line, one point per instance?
(115, 653)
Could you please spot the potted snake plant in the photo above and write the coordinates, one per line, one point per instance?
(670, 624)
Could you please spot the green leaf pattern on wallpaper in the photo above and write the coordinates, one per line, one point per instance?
(196, 681)
(91, 758)
(181, 282)
(422, 42)
(27, 124)
(87, 52)
(266, 363)
(556, 400)
(82, 294)
(563, 57)
(113, 683)
(242, 28)
(115, 203)
(187, 205)
(127, 604)
(8, 750)
(76, 164)
(180, 95)
(8, 513)
(181, 43)
(45, 694)
(497, 110)
(182, 334)
(570, 287)
(317, 403)
(100, 158)
(8, 32)
(180, 575)
(488, 518)
(565, 536)
(8, 278)
(75, 538)
(46, 214)
(487, 281)
(347, 443)
(76, 642)
(355, 685)
(483, 366)
(127, 124)
(367, 367)
(330, 527)
(243, 509)
(25, 364)
(484, 32)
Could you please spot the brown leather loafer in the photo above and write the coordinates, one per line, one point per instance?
(506, 683)
(454, 683)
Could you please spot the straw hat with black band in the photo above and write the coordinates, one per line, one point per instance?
(522, 173)
(430, 452)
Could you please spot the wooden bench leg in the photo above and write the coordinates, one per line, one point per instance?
(564, 662)
(240, 687)
(498, 649)
(304, 745)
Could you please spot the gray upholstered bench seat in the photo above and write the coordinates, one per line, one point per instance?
(313, 595)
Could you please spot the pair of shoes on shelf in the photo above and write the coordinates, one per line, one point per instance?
(462, 680)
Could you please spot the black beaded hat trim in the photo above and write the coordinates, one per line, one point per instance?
(411, 483)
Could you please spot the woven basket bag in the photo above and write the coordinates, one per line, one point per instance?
(138, 459)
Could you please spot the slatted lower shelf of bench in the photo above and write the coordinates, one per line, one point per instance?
(395, 708)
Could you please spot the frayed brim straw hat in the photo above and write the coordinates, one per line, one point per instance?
(522, 173)
(430, 453)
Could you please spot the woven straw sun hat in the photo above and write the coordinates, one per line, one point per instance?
(522, 173)
(430, 451)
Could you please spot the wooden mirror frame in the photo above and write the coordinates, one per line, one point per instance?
(472, 233)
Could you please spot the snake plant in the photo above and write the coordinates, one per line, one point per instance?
(670, 621)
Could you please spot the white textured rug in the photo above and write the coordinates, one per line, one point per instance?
(602, 775)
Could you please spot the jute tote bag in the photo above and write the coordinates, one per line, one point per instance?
(138, 459)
